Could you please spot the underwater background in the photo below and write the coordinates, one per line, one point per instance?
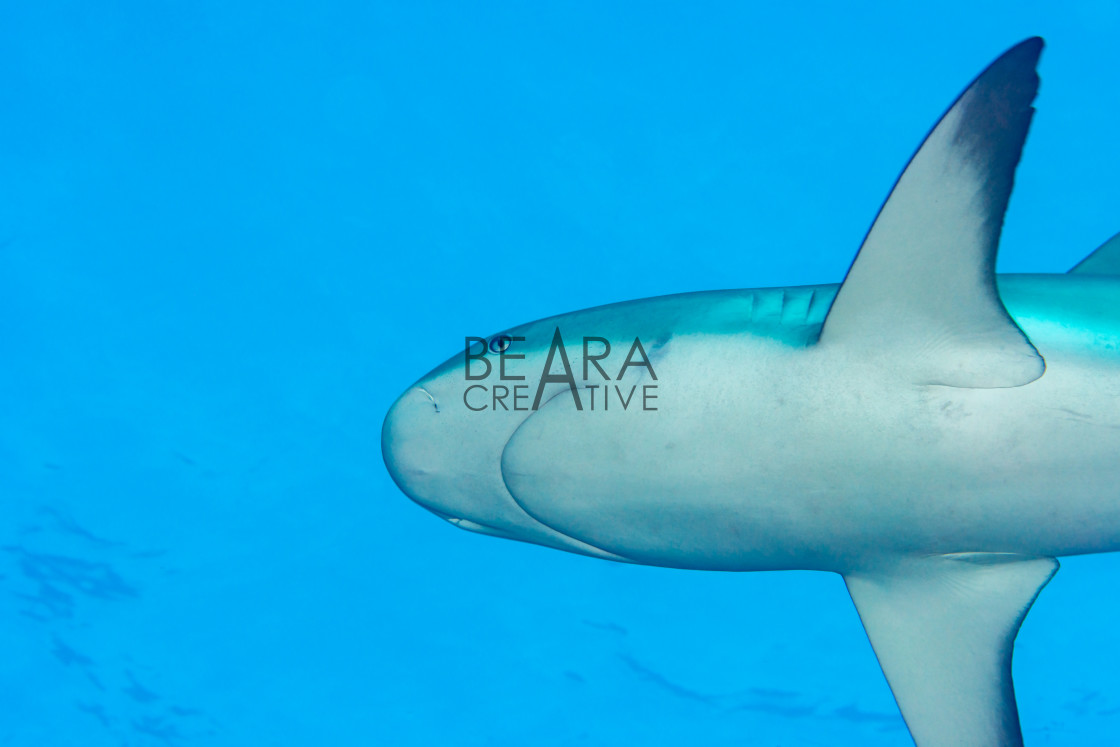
(232, 233)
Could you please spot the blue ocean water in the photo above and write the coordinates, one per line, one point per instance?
(232, 233)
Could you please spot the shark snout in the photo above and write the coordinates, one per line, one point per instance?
(408, 440)
(442, 462)
(447, 458)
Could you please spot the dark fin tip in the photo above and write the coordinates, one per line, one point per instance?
(997, 116)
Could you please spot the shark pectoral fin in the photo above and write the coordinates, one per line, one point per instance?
(1105, 260)
(943, 628)
(922, 288)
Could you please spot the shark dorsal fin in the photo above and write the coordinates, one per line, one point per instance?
(922, 288)
(943, 628)
(1105, 260)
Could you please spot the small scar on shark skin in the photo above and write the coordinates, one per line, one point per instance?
(429, 396)
(1081, 417)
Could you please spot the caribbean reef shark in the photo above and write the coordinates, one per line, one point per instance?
(935, 433)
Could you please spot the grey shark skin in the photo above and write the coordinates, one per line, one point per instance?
(935, 434)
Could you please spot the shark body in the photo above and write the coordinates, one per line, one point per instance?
(935, 434)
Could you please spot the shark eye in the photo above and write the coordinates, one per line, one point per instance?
(499, 343)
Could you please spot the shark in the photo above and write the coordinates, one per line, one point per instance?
(935, 433)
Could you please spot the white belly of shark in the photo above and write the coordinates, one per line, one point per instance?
(936, 435)
(782, 457)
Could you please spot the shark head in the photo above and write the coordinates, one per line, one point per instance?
(444, 455)
(443, 439)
